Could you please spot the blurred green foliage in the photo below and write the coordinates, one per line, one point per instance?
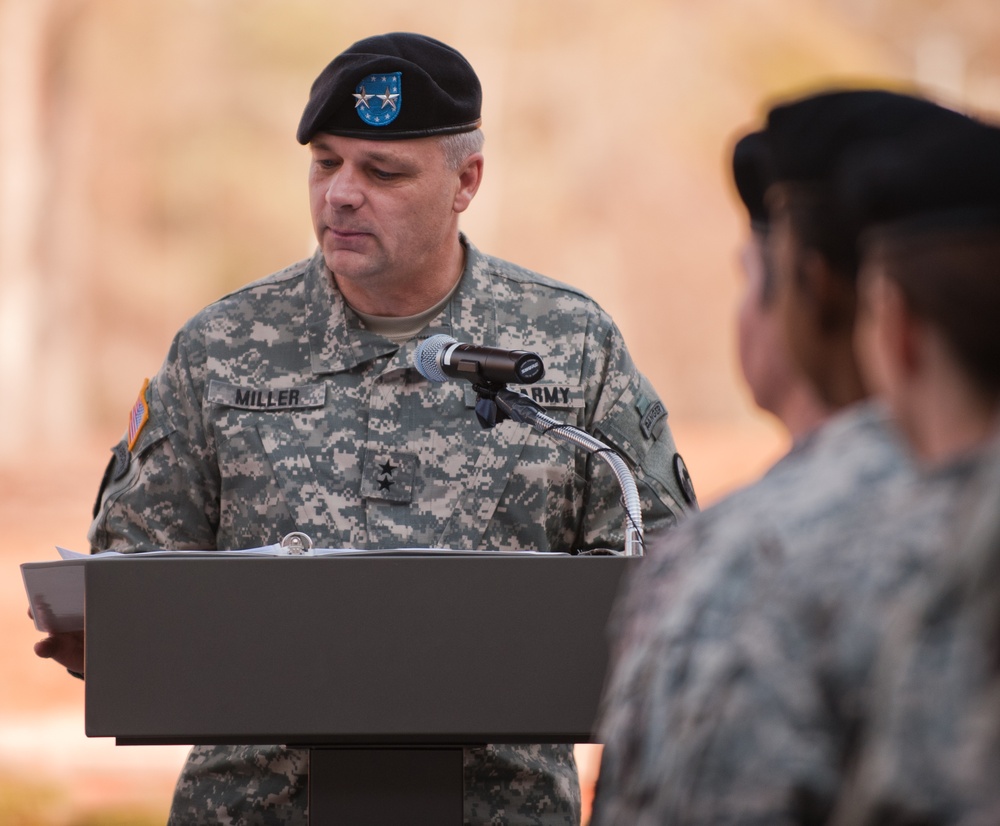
(29, 803)
(118, 816)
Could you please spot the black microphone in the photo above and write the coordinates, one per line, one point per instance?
(441, 357)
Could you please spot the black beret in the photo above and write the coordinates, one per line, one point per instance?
(394, 86)
(751, 176)
(808, 137)
(945, 177)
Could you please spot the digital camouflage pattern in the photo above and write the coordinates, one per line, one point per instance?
(704, 719)
(276, 411)
(930, 749)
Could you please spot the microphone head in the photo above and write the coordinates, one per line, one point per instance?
(427, 357)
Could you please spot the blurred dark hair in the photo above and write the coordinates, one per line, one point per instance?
(819, 225)
(951, 278)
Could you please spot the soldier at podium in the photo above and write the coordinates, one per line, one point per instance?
(293, 405)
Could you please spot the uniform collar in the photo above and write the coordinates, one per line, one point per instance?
(338, 342)
(471, 315)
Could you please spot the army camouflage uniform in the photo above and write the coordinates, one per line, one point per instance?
(930, 748)
(685, 690)
(276, 411)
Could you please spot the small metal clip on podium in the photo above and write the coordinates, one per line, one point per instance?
(384, 665)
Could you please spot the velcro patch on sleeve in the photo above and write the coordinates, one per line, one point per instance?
(139, 415)
(653, 415)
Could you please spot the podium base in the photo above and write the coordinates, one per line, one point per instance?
(385, 786)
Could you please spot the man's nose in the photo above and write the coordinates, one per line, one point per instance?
(345, 189)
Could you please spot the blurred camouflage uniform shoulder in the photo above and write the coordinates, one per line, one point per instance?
(848, 459)
(679, 618)
(930, 750)
(753, 688)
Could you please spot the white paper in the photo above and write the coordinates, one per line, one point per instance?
(55, 589)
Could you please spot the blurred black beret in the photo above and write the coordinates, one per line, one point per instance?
(808, 137)
(393, 86)
(750, 174)
(945, 177)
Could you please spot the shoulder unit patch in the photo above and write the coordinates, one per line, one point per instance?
(139, 416)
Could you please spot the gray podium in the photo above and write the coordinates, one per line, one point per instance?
(384, 667)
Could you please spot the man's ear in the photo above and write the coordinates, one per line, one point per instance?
(828, 297)
(470, 175)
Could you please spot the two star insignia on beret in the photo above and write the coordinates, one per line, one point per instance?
(379, 109)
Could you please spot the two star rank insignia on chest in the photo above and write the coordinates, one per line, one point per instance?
(385, 480)
(389, 476)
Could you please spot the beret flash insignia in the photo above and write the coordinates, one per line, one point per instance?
(378, 98)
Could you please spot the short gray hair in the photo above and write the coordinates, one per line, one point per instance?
(458, 147)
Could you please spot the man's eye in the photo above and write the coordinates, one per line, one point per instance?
(382, 175)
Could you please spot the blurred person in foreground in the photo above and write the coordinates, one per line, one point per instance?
(930, 734)
(775, 381)
(292, 405)
(682, 744)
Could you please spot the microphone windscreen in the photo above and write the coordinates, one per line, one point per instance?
(427, 357)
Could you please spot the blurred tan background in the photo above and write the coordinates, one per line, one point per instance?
(148, 165)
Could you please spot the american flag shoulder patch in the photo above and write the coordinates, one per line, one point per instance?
(139, 416)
